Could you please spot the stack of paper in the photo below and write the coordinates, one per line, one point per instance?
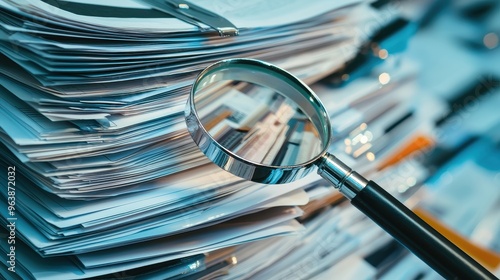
(108, 180)
(102, 94)
(106, 183)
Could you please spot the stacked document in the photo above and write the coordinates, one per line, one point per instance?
(107, 181)
(86, 95)
(103, 181)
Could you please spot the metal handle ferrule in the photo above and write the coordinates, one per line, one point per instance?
(347, 181)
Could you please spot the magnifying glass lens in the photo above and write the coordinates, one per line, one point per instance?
(256, 123)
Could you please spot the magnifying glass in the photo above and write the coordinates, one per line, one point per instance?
(262, 124)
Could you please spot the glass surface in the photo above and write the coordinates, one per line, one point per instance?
(256, 123)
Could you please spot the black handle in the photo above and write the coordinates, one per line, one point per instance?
(416, 235)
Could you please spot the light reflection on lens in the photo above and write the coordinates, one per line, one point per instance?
(257, 123)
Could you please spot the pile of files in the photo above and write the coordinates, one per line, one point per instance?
(109, 185)
(86, 95)
(107, 178)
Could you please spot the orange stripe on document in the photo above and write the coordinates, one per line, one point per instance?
(485, 257)
(420, 142)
